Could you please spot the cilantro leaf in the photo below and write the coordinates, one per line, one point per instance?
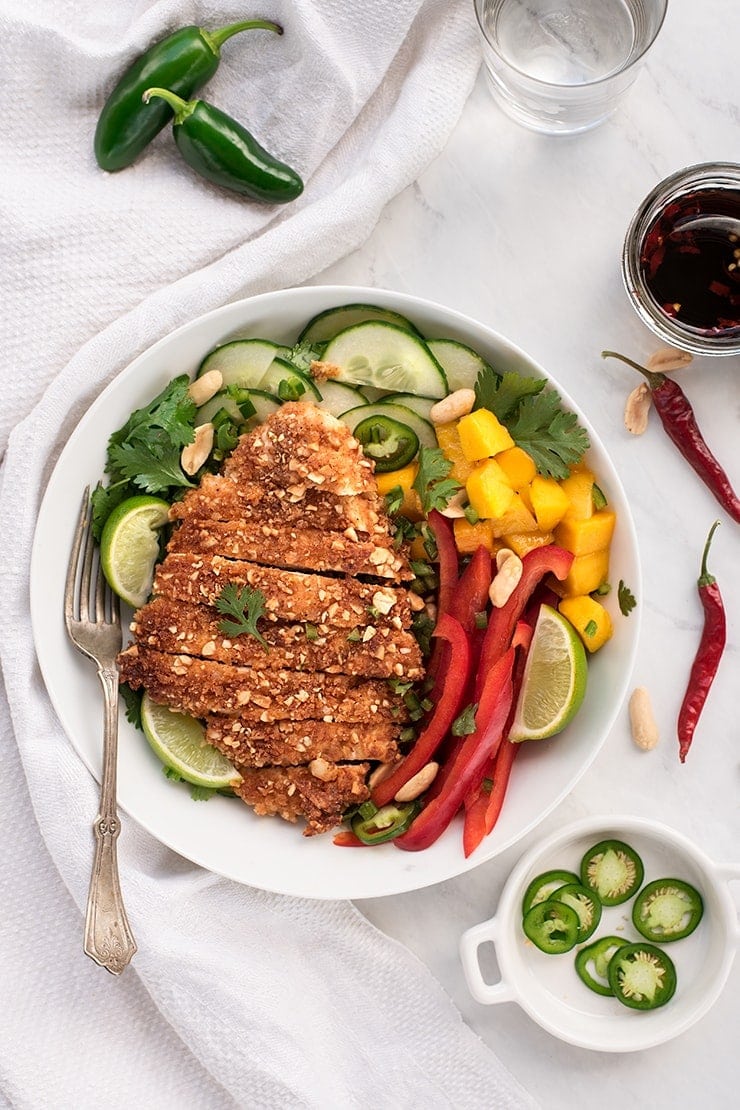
(464, 725)
(202, 793)
(103, 501)
(431, 482)
(550, 435)
(393, 500)
(172, 410)
(501, 394)
(301, 355)
(626, 599)
(132, 701)
(246, 606)
(153, 463)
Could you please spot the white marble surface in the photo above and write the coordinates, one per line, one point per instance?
(524, 232)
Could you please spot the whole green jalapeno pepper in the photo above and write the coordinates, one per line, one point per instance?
(224, 152)
(183, 61)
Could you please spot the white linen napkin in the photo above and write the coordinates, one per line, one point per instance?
(258, 1000)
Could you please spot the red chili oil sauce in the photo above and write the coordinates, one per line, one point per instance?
(690, 260)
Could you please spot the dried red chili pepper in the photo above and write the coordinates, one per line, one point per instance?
(677, 417)
(711, 646)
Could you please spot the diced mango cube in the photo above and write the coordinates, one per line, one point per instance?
(488, 492)
(418, 551)
(469, 537)
(522, 542)
(586, 574)
(584, 536)
(579, 488)
(518, 466)
(517, 518)
(403, 478)
(589, 618)
(482, 435)
(449, 442)
(549, 502)
(526, 495)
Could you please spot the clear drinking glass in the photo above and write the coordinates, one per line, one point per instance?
(560, 66)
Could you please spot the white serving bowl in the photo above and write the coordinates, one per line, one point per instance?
(224, 835)
(548, 987)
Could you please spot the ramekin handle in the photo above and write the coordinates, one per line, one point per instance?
(730, 872)
(470, 942)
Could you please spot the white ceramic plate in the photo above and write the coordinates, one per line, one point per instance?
(548, 987)
(222, 834)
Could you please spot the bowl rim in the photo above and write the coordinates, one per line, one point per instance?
(227, 320)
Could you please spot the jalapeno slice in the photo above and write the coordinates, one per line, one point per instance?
(389, 443)
(385, 823)
(613, 871)
(585, 903)
(592, 963)
(540, 889)
(552, 927)
(642, 976)
(667, 910)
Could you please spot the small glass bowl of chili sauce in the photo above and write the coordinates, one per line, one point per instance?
(681, 259)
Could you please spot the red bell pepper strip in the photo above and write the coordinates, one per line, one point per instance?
(502, 622)
(471, 595)
(347, 838)
(447, 558)
(471, 760)
(452, 683)
(483, 806)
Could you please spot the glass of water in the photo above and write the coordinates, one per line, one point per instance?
(561, 66)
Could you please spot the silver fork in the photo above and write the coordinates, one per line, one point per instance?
(91, 613)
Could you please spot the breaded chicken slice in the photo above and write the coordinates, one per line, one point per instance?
(299, 447)
(291, 743)
(279, 545)
(221, 498)
(177, 627)
(200, 687)
(289, 595)
(294, 792)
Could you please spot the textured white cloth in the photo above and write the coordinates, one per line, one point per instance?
(236, 997)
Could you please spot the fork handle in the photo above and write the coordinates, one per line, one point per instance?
(108, 937)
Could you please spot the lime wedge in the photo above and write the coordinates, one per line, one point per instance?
(554, 681)
(129, 547)
(180, 742)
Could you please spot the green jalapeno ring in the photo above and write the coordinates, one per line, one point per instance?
(585, 903)
(552, 927)
(385, 823)
(544, 885)
(666, 910)
(225, 153)
(599, 953)
(642, 976)
(389, 443)
(183, 62)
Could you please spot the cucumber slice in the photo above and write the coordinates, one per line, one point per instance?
(461, 363)
(422, 428)
(337, 397)
(283, 381)
(388, 357)
(420, 405)
(242, 362)
(333, 320)
(264, 404)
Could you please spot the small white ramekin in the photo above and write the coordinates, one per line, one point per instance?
(548, 987)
